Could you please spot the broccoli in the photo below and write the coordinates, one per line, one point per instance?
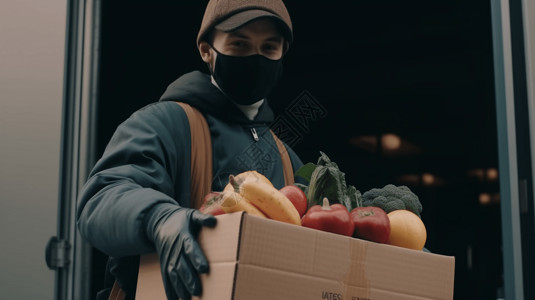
(391, 198)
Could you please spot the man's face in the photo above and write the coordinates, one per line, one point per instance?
(258, 37)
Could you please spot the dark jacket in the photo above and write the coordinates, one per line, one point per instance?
(147, 162)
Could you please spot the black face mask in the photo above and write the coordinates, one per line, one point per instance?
(246, 79)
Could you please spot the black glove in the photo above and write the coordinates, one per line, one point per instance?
(172, 229)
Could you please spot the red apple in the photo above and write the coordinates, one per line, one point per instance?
(297, 197)
(211, 205)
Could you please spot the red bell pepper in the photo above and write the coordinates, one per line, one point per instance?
(333, 218)
(371, 223)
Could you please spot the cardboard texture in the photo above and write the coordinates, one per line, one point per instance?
(255, 258)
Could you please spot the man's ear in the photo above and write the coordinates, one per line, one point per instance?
(204, 50)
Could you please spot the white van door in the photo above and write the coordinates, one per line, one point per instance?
(32, 44)
(66, 252)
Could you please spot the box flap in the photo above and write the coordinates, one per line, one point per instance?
(149, 280)
(221, 243)
(273, 244)
(358, 263)
(220, 281)
(261, 283)
(404, 271)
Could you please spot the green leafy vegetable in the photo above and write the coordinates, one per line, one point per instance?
(303, 187)
(355, 196)
(305, 171)
(326, 180)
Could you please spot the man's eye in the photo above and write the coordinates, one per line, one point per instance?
(271, 47)
(239, 44)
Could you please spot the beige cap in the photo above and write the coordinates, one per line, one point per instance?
(229, 15)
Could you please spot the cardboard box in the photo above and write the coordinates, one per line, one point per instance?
(255, 258)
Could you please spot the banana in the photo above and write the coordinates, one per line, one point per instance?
(231, 201)
(247, 175)
(269, 200)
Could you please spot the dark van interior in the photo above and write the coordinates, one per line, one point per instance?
(404, 95)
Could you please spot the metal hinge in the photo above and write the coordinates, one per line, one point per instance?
(57, 253)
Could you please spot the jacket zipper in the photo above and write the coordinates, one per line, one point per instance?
(255, 135)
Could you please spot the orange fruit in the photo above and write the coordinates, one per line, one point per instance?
(406, 230)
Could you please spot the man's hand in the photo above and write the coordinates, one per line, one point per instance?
(173, 229)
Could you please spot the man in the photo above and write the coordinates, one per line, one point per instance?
(137, 197)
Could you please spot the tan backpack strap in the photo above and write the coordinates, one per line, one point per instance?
(201, 155)
(287, 168)
(116, 292)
